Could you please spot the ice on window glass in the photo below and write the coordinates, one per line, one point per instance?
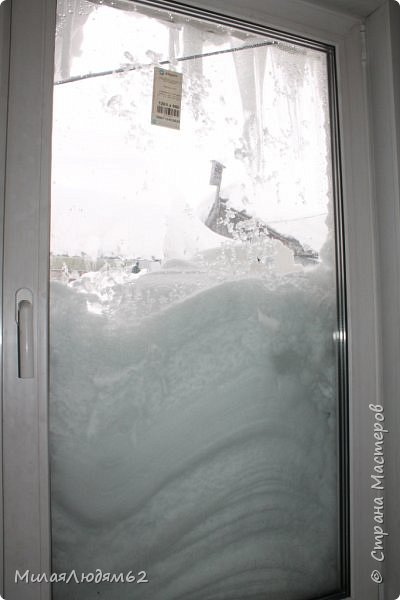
(194, 389)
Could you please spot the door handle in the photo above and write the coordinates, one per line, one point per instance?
(24, 318)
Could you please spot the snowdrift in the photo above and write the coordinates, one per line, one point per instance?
(196, 442)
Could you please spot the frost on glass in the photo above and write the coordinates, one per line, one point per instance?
(193, 308)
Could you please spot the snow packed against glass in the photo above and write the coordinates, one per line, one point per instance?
(193, 405)
(198, 443)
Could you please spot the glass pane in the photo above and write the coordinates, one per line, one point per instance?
(194, 375)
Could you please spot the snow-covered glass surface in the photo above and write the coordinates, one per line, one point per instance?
(194, 391)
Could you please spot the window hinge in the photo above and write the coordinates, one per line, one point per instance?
(363, 36)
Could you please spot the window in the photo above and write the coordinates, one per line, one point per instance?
(370, 200)
(199, 425)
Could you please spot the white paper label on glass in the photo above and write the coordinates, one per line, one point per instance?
(167, 98)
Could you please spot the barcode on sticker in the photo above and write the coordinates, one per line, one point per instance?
(168, 110)
(167, 98)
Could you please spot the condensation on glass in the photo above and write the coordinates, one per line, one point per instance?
(195, 386)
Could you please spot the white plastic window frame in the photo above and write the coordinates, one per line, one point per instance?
(4, 71)
(369, 101)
